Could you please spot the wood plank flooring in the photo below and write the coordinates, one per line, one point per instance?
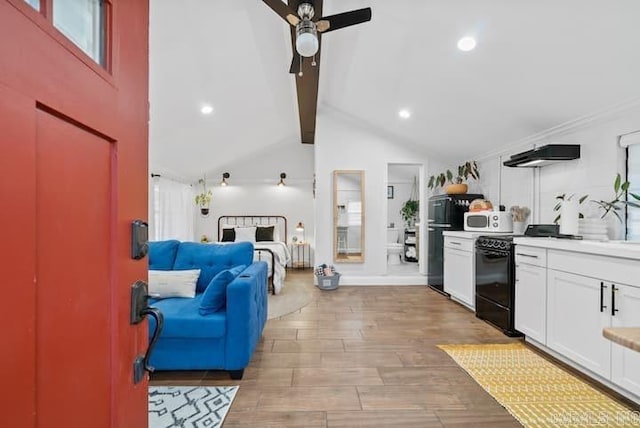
(361, 356)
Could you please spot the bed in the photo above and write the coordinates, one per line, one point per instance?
(270, 247)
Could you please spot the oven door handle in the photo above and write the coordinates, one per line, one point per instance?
(492, 253)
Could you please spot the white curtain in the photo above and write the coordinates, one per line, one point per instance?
(171, 210)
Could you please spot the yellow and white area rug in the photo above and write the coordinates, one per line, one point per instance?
(537, 392)
(189, 406)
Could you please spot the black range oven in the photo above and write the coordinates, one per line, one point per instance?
(495, 282)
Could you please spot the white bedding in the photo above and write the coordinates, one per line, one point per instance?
(281, 256)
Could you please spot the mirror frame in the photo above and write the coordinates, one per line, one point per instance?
(336, 174)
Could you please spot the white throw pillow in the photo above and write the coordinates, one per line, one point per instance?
(173, 283)
(245, 234)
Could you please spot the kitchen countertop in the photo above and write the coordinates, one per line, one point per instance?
(621, 249)
(625, 336)
(468, 235)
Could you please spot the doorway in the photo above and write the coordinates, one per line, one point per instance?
(403, 244)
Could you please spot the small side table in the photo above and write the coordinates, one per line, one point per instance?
(300, 255)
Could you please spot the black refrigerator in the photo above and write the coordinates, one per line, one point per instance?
(446, 212)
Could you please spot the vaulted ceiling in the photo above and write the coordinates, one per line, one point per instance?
(537, 64)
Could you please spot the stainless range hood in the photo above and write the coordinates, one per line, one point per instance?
(544, 155)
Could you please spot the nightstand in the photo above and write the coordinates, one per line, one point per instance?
(300, 255)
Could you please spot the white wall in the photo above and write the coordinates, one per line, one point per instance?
(343, 144)
(592, 174)
(252, 189)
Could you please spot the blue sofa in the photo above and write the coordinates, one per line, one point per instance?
(225, 339)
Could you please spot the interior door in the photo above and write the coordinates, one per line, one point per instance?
(73, 175)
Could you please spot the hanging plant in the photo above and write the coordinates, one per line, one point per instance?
(204, 198)
(409, 210)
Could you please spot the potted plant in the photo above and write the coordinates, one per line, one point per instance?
(615, 206)
(409, 212)
(562, 198)
(457, 183)
(203, 199)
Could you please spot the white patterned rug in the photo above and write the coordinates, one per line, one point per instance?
(189, 406)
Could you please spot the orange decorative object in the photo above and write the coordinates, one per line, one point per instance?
(480, 205)
(456, 189)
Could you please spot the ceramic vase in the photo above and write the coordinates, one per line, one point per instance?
(519, 227)
(456, 189)
(569, 217)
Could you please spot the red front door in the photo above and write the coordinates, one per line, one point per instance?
(73, 175)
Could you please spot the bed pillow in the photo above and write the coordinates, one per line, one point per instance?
(173, 283)
(214, 297)
(264, 233)
(245, 234)
(228, 235)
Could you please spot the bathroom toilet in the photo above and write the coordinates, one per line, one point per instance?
(394, 247)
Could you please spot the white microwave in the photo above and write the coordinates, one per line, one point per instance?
(488, 221)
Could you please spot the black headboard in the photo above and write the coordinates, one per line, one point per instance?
(254, 220)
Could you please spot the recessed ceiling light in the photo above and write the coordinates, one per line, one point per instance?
(404, 114)
(206, 109)
(467, 44)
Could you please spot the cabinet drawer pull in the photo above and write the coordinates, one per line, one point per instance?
(455, 243)
(526, 255)
(613, 300)
(602, 287)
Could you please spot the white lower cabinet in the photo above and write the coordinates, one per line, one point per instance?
(531, 301)
(578, 309)
(625, 363)
(459, 270)
(575, 319)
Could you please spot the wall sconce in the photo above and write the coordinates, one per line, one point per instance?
(224, 182)
(282, 177)
(300, 228)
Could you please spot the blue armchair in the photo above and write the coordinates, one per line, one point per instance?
(197, 339)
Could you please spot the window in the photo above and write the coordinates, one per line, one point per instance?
(84, 23)
(34, 4)
(171, 210)
(633, 175)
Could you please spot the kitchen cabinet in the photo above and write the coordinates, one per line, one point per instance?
(459, 269)
(576, 316)
(625, 363)
(531, 293)
(589, 286)
(580, 306)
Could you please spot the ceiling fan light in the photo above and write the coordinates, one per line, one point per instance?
(467, 44)
(307, 44)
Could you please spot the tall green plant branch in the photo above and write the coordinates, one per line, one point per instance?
(621, 190)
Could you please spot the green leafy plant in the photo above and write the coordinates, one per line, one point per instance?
(204, 198)
(465, 171)
(614, 206)
(409, 210)
(560, 199)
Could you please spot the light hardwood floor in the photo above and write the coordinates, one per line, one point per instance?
(361, 356)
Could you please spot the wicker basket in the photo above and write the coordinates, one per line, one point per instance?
(328, 282)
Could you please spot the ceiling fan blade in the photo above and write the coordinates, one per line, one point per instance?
(295, 63)
(341, 20)
(307, 89)
(284, 10)
(307, 84)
